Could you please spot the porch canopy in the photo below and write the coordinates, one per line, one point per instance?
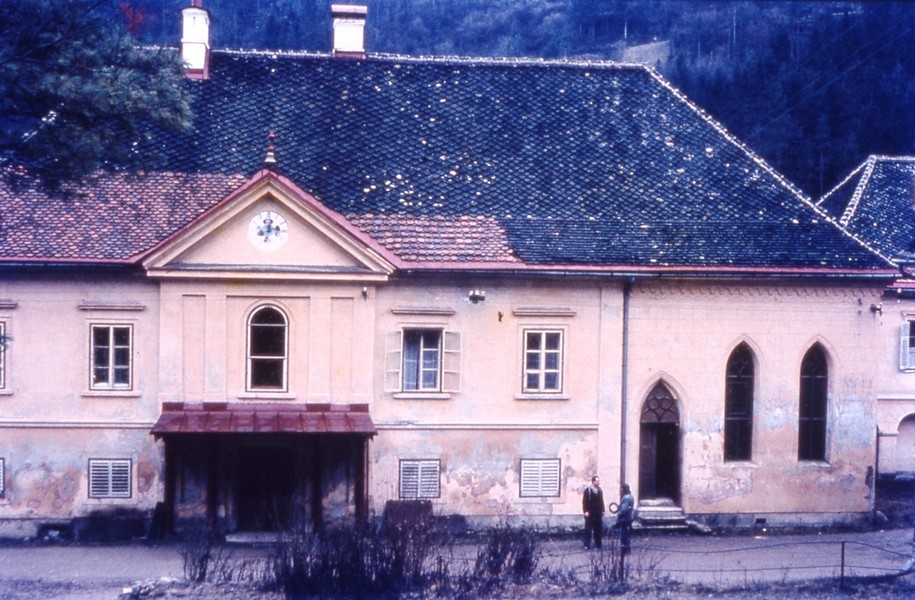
(242, 417)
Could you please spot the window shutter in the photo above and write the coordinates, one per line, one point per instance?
(98, 479)
(429, 479)
(451, 362)
(905, 361)
(120, 479)
(539, 478)
(109, 479)
(393, 353)
(419, 479)
(409, 479)
(2, 477)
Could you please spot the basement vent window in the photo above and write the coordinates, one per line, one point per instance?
(540, 477)
(419, 479)
(109, 478)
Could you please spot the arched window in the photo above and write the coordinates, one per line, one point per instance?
(738, 405)
(267, 349)
(811, 439)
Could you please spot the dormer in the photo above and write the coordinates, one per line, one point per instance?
(195, 40)
(349, 29)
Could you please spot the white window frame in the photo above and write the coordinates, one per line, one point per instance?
(110, 478)
(540, 478)
(250, 358)
(2, 477)
(111, 365)
(419, 479)
(449, 363)
(428, 350)
(3, 374)
(907, 345)
(542, 353)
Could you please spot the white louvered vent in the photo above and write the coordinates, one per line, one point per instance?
(540, 477)
(419, 479)
(109, 478)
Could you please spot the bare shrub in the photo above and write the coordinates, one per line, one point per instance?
(391, 560)
(508, 555)
(197, 550)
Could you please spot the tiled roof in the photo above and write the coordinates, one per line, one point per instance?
(456, 161)
(876, 202)
(113, 218)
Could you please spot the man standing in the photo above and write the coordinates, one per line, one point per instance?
(592, 505)
(624, 518)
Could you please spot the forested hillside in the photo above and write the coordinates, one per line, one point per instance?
(814, 87)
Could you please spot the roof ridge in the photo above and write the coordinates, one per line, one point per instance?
(855, 199)
(839, 185)
(444, 59)
(763, 164)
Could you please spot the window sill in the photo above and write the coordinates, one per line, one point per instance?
(813, 464)
(111, 394)
(422, 395)
(6, 392)
(266, 396)
(740, 463)
(544, 396)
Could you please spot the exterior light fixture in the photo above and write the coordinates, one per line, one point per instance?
(476, 296)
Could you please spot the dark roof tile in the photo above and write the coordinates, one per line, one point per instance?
(461, 161)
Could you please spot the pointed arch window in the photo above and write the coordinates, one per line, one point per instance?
(268, 350)
(738, 405)
(811, 444)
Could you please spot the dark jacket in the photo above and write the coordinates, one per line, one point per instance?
(592, 502)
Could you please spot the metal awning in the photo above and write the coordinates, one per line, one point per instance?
(244, 417)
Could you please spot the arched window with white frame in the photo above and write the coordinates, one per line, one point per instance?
(268, 350)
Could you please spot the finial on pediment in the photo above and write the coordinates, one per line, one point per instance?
(270, 159)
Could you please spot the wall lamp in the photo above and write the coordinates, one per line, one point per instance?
(476, 296)
(877, 308)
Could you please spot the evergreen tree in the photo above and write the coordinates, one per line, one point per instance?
(76, 93)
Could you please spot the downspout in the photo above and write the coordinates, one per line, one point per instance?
(624, 377)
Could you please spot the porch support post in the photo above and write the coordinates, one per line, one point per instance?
(212, 481)
(361, 490)
(168, 493)
(317, 488)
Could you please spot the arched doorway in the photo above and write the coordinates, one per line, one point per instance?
(659, 447)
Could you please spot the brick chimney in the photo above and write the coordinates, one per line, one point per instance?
(195, 40)
(349, 29)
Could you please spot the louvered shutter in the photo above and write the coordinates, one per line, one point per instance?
(905, 349)
(409, 480)
(429, 479)
(419, 479)
(451, 362)
(539, 478)
(393, 353)
(120, 479)
(109, 479)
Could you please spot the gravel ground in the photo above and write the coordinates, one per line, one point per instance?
(672, 566)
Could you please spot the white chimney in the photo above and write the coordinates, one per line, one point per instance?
(195, 40)
(349, 29)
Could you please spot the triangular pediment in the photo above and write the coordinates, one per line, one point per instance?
(270, 229)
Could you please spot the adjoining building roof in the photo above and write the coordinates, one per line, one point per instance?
(527, 162)
(876, 202)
